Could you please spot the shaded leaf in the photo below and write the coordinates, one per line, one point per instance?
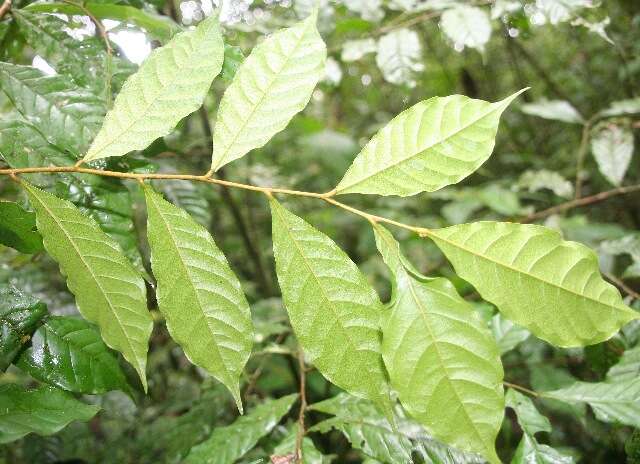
(68, 353)
(18, 228)
(556, 110)
(333, 310)
(272, 85)
(413, 153)
(170, 84)
(198, 293)
(43, 411)
(612, 147)
(441, 359)
(627, 368)
(507, 334)
(399, 56)
(550, 286)
(230, 443)
(535, 181)
(67, 115)
(20, 315)
(108, 290)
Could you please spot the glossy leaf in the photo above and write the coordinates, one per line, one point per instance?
(68, 353)
(615, 401)
(399, 56)
(109, 291)
(531, 452)
(441, 359)
(160, 27)
(18, 228)
(69, 116)
(272, 85)
(556, 110)
(550, 286)
(20, 315)
(230, 443)
(170, 84)
(43, 411)
(436, 142)
(530, 420)
(612, 147)
(333, 310)
(198, 293)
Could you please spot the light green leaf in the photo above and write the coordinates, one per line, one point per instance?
(109, 291)
(160, 27)
(399, 56)
(20, 315)
(272, 85)
(627, 368)
(622, 107)
(333, 310)
(615, 401)
(530, 420)
(531, 452)
(68, 353)
(309, 452)
(170, 84)
(612, 147)
(68, 116)
(43, 411)
(467, 26)
(556, 110)
(442, 359)
(17, 228)
(434, 143)
(228, 444)
(507, 334)
(550, 286)
(198, 293)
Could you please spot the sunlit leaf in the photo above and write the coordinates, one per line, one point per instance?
(441, 358)
(612, 147)
(230, 443)
(109, 291)
(507, 334)
(628, 367)
(556, 110)
(199, 295)
(68, 353)
(529, 451)
(287, 447)
(333, 310)
(43, 411)
(18, 228)
(272, 85)
(467, 26)
(622, 107)
(434, 143)
(170, 84)
(550, 286)
(529, 418)
(20, 315)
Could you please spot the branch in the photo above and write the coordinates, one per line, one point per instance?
(6, 6)
(581, 202)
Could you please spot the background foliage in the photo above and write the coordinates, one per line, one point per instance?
(567, 143)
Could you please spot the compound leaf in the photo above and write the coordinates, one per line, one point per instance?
(333, 310)
(441, 359)
(272, 85)
(435, 143)
(109, 291)
(550, 286)
(43, 411)
(68, 352)
(198, 293)
(230, 443)
(170, 84)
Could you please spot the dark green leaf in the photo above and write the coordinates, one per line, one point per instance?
(68, 353)
(18, 228)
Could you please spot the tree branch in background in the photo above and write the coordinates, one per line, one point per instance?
(6, 6)
(303, 407)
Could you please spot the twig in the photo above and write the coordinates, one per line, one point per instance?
(6, 6)
(581, 202)
(526, 390)
(105, 37)
(582, 153)
(624, 287)
(303, 407)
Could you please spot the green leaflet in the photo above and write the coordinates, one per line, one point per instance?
(531, 421)
(441, 358)
(228, 444)
(68, 116)
(109, 291)
(170, 84)
(190, 196)
(615, 401)
(160, 27)
(550, 286)
(43, 411)
(287, 447)
(272, 85)
(198, 293)
(628, 367)
(434, 143)
(507, 334)
(367, 429)
(20, 315)
(18, 228)
(68, 353)
(333, 310)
